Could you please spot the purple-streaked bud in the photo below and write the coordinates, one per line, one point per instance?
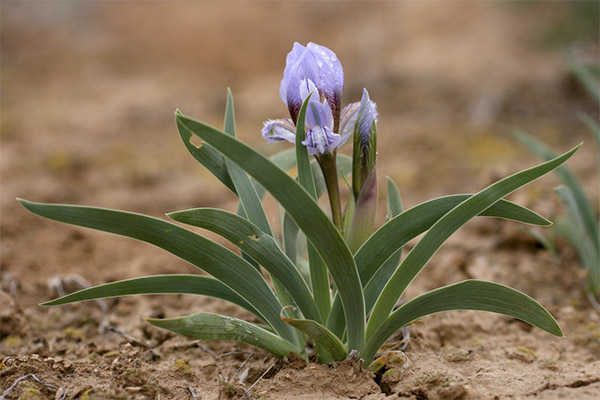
(279, 129)
(365, 142)
(317, 64)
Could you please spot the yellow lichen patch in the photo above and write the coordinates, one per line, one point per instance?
(30, 393)
(12, 341)
(87, 395)
(182, 367)
(110, 354)
(72, 334)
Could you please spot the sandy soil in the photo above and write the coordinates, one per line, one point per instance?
(88, 96)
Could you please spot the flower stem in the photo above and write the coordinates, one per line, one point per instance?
(327, 162)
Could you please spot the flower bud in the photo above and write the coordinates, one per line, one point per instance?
(365, 143)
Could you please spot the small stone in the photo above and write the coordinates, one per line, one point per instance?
(521, 353)
(453, 392)
(456, 355)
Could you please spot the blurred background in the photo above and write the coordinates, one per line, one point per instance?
(89, 90)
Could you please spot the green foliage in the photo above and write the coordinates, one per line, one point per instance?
(581, 225)
(304, 304)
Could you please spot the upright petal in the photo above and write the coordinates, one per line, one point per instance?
(318, 64)
(279, 129)
(348, 120)
(318, 114)
(331, 75)
(307, 87)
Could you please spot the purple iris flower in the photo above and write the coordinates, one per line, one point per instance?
(317, 64)
(314, 69)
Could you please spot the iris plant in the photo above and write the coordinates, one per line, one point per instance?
(318, 286)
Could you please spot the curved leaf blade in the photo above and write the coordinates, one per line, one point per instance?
(568, 178)
(215, 259)
(206, 155)
(207, 326)
(465, 295)
(321, 335)
(158, 284)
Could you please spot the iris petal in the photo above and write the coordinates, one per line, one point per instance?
(279, 129)
(321, 66)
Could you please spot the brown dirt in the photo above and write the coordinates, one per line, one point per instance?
(87, 100)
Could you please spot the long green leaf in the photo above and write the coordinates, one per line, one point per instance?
(465, 295)
(321, 335)
(588, 252)
(206, 155)
(158, 284)
(248, 198)
(207, 326)
(319, 278)
(444, 228)
(218, 261)
(586, 78)
(258, 245)
(568, 179)
(308, 216)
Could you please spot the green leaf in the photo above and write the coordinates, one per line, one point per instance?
(466, 295)
(207, 156)
(207, 326)
(308, 216)
(249, 200)
(595, 129)
(158, 284)
(444, 228)
(218, 261)
(568, 179)
(586, 78)
(321, 335)
(258, 245)
(365, 209)
(589, 254)
(319, 277)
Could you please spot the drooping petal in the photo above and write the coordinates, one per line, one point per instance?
(348, 120)
(279, 129)
(321, 140)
